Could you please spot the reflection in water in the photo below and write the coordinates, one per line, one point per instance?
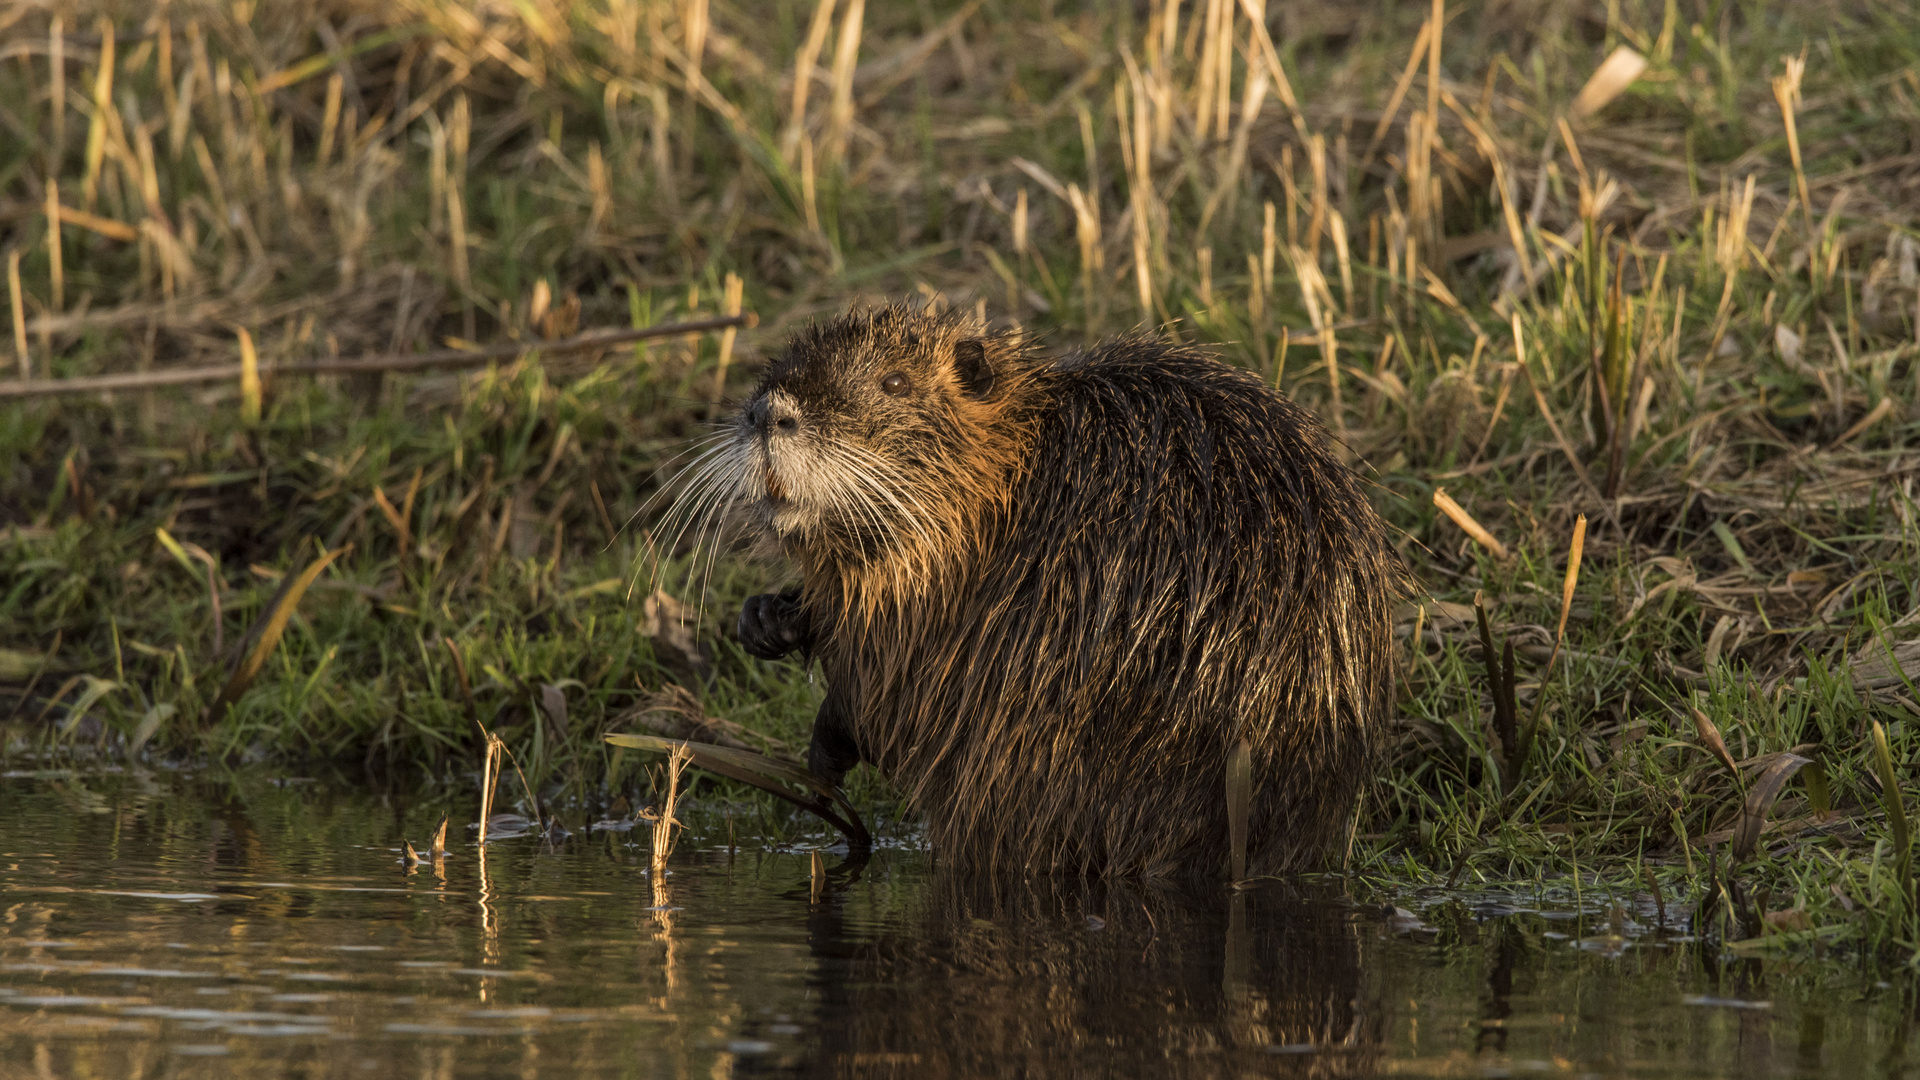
(1057, 978)
(154, 926)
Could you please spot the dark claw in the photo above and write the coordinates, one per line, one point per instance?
(773, 625)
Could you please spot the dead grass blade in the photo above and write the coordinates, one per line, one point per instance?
(771, 775)
(184, 554)
(1399, 94)
(1786, 92)
(19, 316)
(401, 517)
(1875, 415)
(1608, 81)
(1760, 798)
(1710, 738)
(731, 297)
(1459, 516)
(889, 72)
(249, 378)
(846, 55)
(803, 67)
(94, 223)
(1575, 548)
(266, 633)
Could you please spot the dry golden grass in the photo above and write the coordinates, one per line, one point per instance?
(1652, 264)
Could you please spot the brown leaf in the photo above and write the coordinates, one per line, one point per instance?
(674, 713)
(1753, 816)
(1710, 738)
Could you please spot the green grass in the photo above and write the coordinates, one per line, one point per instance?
(1733, 418)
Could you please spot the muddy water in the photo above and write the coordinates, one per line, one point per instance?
(157, 925)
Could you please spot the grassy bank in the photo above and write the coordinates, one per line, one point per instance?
(1679, 301)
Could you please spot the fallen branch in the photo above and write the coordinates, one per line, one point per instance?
(429, 361)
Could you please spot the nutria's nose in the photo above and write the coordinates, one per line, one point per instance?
(774, 415)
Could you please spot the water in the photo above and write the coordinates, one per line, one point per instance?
(158, 926)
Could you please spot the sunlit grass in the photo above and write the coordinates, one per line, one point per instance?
(1714, 285)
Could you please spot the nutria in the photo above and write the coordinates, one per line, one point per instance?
(1052, 596)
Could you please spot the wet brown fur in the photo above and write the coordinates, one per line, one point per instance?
(1067, 587)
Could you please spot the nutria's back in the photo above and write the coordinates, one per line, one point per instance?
(1155, 557)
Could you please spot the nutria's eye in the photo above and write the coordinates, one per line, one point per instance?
(894, 384)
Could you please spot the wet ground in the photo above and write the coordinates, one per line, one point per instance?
(158, 925)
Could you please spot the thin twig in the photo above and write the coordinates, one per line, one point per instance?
(445, 358)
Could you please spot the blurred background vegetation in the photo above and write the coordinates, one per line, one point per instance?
(1653, 263)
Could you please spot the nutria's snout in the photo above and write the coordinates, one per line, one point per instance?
(772, 420)
(773, 415)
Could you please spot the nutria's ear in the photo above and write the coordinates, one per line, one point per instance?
(972, 368)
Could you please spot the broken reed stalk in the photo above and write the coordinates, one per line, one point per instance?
(1516, 741)
(489, 779)
(1399, 94)
(445, 358)
(1786, 92)
(731, 298)
(803, 65)
(663, 819)
(1574, 551)
(846, 55)
(19, 314)
(1459, 516)
(249, 378)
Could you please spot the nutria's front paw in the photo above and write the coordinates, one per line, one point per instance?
(828, 762)
(773, 625)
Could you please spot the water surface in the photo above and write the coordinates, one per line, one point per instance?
(158, 925)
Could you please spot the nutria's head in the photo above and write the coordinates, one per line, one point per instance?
(877, 440)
